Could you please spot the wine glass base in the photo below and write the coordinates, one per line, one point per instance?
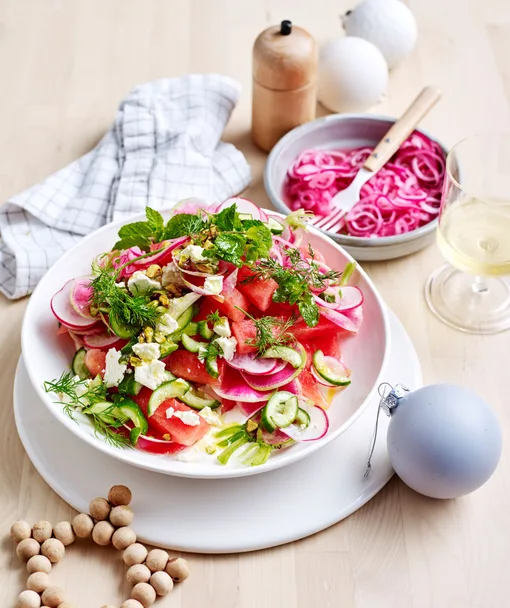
(455, 298)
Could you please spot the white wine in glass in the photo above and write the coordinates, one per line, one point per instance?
(471, 293)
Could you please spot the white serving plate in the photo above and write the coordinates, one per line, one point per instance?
(174, 512)
(47, 355)
(343, 131)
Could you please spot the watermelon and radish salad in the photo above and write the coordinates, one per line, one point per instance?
(215, 333)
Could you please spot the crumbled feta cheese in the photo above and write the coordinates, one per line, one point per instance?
(166, 324)
(193, 252)
(213, 285)
(209, 416)
(228, 346)
(114, 371)
(170, 412)
(147, 351)
(189, 418)
(177, 306)
(202, 352)
(151, 374)
(171, 276)
(222, 328)
(140, 284)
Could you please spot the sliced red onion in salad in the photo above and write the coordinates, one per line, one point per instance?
(254, 365)
(404, 195)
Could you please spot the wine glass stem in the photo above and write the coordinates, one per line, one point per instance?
(479, 285)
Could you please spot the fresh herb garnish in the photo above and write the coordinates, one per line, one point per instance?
(122, 308)
(214, 317)
(271, 332)
(295, 281)
(80, 395)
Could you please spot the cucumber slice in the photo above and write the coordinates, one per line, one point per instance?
(292, 356)
(78, 365)
(275, 226)
(99, 408)
(166, 348)
(245, 216)
(185, 318)
(302, 419)
(191, 329)
(280, 411)
(121, 330)
(194, 400)
(326, 368)
(211, 365)
(190, 344)
(168, 390)
(204, 330)
(129, 386)
(131, 410)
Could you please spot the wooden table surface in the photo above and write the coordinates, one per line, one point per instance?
(64, 67)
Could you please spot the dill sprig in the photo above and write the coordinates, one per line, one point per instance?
(78, 396)
(296, 281)
(271, 332)
(214, 317)
(112, 298)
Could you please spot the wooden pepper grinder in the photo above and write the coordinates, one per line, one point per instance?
(284, 82)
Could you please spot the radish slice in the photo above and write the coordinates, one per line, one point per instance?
(158, 446)
(249, 409)
(95, 329)
(339, 319)
(317, 429)
(102, 340)
(294, 387)
(276, 438)
(200, 290)
(190, 205)
(80, 296)
(351, 298)
(78, 342)
(321, 380)
(251, 364)
(235, 388)
(65, 313)
(269, 382)
(243, 206)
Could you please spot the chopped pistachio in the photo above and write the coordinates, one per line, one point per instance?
(167, 437)
(251, 425)
(154, 271)
(164, 299)
(210, 449)
(159, 337)
(149, 333)
(135, 361)
(141, 338)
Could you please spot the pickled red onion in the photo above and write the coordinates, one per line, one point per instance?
(404, 195)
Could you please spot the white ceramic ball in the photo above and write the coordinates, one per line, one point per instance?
(353, 75)
(444, 441)
(389, 24)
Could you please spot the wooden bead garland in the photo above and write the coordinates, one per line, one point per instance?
(152, 574)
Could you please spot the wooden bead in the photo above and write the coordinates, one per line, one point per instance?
(20, 530)
(119, 495)
(162, 583)
(134, 554)
(178, 569)
(131, 604)
(27, 548)
(53, 549)
(64, 532)
(157, 560)
(83, 525)
(144, 593)
(38, 582)
(122, 516)
(28, 599)
(53, 596)
(38, 563)
(123, 538)
(102, 533)
(99, 509)
(139, 573)
(41, 531)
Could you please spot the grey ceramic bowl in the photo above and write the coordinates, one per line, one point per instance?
(343, 131)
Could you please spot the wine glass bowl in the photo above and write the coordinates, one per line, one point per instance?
(471, 292)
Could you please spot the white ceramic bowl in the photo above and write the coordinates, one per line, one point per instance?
(343, 131)
(47, 355)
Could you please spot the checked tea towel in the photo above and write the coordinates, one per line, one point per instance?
(164, 146)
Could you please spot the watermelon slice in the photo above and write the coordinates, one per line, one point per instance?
(95, 361)
(303, 333)
(310, 389)
(243, 332)
(259, 292)
(188, 366)
(227, 308)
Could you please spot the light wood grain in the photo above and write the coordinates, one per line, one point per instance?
(64, 67)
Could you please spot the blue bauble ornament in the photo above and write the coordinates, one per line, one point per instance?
(444, 441)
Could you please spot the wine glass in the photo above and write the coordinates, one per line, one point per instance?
(471, 293)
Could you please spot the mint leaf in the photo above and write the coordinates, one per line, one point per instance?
(228, 219)
(155, 221)
(183, 224)
(136, 229)
(230, 247)
(249, 223)
(260, 241)
(308, 309)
